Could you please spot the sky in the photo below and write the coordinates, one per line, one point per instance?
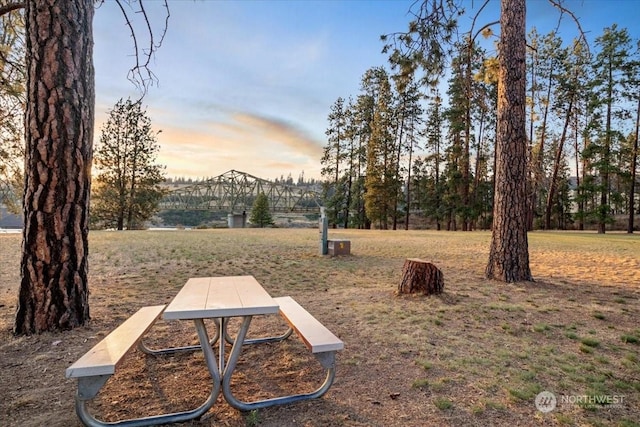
(248, 84)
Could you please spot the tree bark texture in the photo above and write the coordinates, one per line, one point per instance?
(59, 136)
(509, 250)
(421, 276)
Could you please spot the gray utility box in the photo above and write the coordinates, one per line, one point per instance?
(339, 247)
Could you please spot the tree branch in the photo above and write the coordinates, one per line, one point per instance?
(559, 4)
(475, 18)
(484, 27)
(427, 41)
(141, 74)
(8, 8)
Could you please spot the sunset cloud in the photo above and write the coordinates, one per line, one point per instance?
(262, 146)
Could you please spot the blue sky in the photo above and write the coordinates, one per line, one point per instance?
(247, 85)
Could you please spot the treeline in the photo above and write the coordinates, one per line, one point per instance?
(408, 145)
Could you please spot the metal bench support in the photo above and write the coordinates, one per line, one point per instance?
(326, 359)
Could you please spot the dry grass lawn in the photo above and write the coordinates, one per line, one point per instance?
(476, 356)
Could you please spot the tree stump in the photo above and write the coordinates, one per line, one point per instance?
(419, 275)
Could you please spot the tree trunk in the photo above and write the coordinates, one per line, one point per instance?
(408, 199)
(539, 175)
(59, 134)
(420, 276)
(634, 165)
(509, 250)
(578, 189)
(605, 209)
(532, 120)
(348, 203)
(556, 168)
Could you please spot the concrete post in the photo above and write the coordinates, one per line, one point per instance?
(324, 231)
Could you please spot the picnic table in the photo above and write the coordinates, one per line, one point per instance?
(217, 298)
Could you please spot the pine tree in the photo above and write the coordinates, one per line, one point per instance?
(334, 154)
(127, 188)
(361, 118)
(408, 118)
(434, 188)
(566, 95)
(380, 178)
(485, 94)
(548, 60)
(260, 215)
(605, 108)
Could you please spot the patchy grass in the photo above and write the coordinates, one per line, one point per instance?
(443, 404)
(590, 342)
(630, 338)
(481, 352)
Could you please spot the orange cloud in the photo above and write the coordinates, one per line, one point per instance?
(247, 142)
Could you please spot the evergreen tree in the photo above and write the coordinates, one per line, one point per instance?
(380, 177)
(408, 118)
(335, 152)
(457, 161)
(434, 188)
(606, 110)
(486, 87)
(352, 170)
(260, 214)
(127, 188)
(582, 59)
(548, 63)
(533, 62)
(567, 91)
(360, 119)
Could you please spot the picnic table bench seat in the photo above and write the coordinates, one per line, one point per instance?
(102, 359)
(96, 366)
(314, 334)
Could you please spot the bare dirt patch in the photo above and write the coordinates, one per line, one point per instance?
(476, 356)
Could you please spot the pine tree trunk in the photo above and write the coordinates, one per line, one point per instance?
(556, 169)
(420, 276)
(509, 250)
(634, 166)
(59, 134)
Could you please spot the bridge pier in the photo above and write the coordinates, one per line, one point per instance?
(237, 220)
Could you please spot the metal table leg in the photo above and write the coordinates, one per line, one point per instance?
(326, 359)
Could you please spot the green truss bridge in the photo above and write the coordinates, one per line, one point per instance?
(235, 192)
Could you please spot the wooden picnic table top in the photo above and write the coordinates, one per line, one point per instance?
(215, 297)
